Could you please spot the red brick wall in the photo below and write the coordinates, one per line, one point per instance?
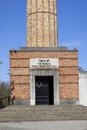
(68, 72)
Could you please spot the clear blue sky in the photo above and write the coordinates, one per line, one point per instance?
(72, 29)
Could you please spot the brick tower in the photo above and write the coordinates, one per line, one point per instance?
(41, 23)
(42, 73)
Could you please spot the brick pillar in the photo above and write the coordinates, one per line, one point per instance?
(42, 23)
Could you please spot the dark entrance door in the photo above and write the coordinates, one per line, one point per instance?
(44, 90)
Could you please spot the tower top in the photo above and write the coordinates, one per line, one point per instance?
(41, 23)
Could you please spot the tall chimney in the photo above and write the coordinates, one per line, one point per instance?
(42, 23)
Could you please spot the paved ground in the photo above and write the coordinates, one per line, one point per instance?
(46, 125)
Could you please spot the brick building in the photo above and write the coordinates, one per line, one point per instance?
(42, 72)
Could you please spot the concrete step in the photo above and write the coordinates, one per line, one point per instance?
(37, 113)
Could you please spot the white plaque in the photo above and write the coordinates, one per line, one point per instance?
(44, 63)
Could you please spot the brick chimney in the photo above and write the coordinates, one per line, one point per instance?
(42, 23)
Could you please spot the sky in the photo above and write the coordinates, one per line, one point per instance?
(72, 29)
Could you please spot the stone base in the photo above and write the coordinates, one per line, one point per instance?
(69, 102)
(20, 102)
(61, 102)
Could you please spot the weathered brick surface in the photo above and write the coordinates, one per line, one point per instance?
(39, 32)
(41, 23)
(20, 79)
(68, 78)
(69, 55)
(52, 28)
(21, 91)
(19, 71)
(33, 32)
(61, 55)
(68, 91)
(19, 63)
(68, 62)
(68, 72)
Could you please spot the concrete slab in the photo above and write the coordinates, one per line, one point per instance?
(45, 125)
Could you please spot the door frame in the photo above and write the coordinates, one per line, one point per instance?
(53, 73)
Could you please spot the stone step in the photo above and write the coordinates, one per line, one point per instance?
(36, 113)
(51, 108)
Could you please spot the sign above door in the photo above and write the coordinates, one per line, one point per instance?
(44, 63)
